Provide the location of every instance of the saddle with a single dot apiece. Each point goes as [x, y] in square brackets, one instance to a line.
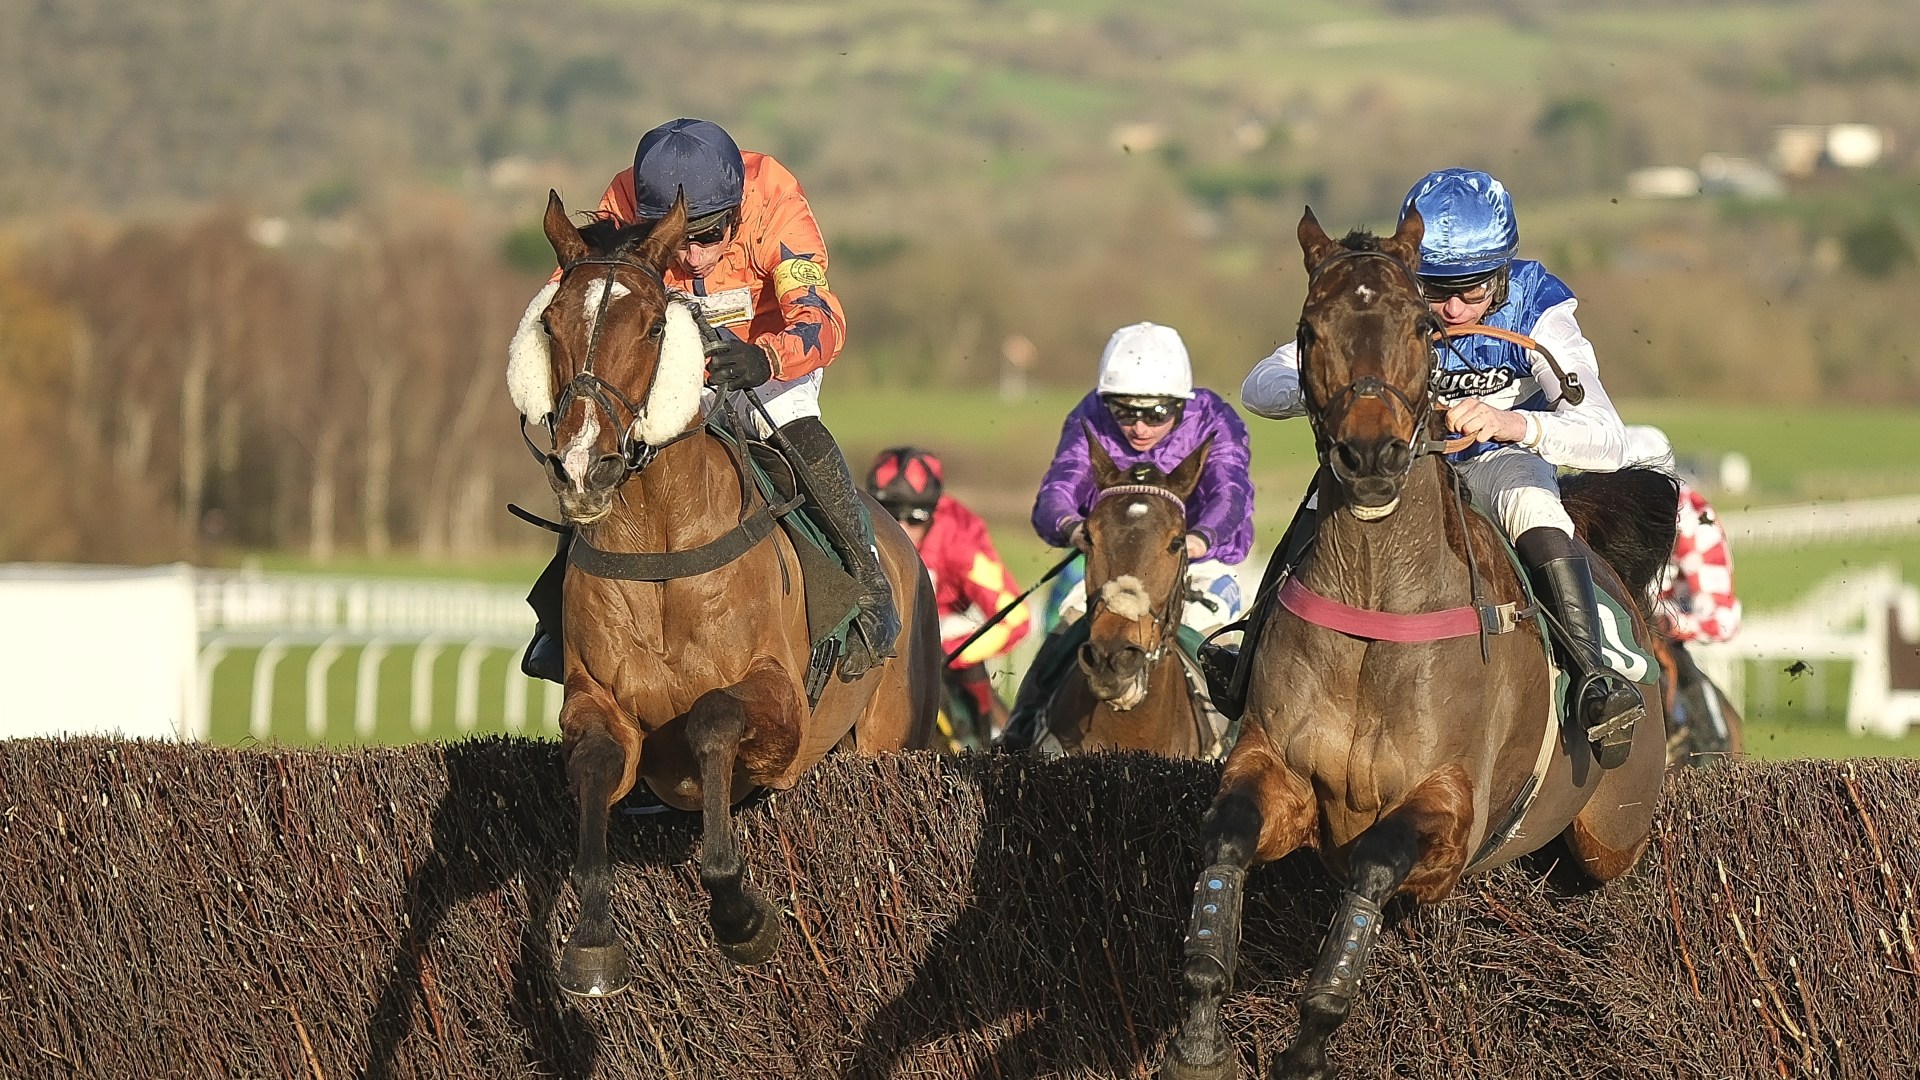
[832, 596]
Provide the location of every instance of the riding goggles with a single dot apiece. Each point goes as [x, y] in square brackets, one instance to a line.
[1475, 290]
[908, 515]
[1152, 413]
[710, 230]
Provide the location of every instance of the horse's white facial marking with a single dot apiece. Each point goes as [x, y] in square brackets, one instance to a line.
[579, 455]
[1137, 509]
[1365, 293]
[1126, 597]
[593, 296]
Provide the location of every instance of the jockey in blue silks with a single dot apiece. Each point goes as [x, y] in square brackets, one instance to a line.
[1508, 399]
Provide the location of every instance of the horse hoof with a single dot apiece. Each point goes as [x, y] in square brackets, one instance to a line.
[759, 944]
[594, 971]
[1173, 1068]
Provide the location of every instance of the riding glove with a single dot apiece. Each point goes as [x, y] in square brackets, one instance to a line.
[738, 365]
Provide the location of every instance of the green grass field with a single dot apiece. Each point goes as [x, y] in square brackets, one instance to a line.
[995, 452]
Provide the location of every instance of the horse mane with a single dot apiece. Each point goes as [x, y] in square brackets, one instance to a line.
[1628, 517]
[1360, 240]
[607, 236]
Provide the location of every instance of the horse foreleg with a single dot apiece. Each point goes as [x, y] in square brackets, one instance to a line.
[600, 770]
[1263, 811]
[745, 925]
[1420, 846]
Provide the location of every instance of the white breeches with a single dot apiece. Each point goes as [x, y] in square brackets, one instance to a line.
[1210, 577]
[1518, 489]
[785, 401]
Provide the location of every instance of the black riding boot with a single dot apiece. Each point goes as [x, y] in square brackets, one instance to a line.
[544, 658]
[830, 486]
[1694, 696]
[1607, 704]
[1036, 689]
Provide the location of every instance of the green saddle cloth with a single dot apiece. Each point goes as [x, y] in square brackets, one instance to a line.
[832, 595]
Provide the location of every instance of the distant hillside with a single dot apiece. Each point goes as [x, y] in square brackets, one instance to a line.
[319, 220]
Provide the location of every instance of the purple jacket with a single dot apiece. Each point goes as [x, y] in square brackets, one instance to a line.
[1220, 509]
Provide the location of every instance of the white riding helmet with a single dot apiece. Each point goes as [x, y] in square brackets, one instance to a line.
[1146, 360]
[1648, 446]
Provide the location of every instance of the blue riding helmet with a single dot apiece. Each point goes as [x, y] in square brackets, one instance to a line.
[692, 156]
[1470, 227]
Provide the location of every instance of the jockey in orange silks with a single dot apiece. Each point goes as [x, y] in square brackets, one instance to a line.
[755, 263]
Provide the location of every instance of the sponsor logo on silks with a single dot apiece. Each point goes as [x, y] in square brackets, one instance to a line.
[1450, 384]
[1227, 588]
[728, 308]
[793, 274]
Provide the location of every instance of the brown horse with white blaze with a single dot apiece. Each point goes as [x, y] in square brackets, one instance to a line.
[690, 679]
[1129, 689]
[1405, 761]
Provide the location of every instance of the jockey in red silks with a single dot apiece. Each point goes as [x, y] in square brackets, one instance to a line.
[1145, 409]
[970, 582]
[1508, 400]
[756, 265]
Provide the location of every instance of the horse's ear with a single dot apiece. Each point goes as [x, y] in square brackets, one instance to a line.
[1186, 475]
[1404, 244]
[567, 245]
[1105, 473]
[1314, 240]
[663, 243]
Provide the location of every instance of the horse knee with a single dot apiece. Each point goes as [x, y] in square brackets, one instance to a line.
[1232, 830]
[595, 766]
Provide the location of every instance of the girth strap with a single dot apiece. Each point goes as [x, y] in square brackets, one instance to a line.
[668, 565]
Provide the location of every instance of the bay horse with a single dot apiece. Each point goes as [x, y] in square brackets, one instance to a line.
[1128, 689]
[690, 679]
[1406, 763]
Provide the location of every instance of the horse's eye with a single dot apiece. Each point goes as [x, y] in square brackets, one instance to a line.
[1179, 544]
[1304, 335]
[657, 330]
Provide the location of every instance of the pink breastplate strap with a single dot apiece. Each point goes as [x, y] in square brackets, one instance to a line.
[1377, 625]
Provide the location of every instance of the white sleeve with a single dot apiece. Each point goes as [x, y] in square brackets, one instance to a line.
[1272, 388]
[1590, 435]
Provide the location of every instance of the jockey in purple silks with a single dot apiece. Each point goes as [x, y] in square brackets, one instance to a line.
[1145, 409]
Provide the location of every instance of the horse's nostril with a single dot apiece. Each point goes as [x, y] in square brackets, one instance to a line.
[607, 471]
[1396, 457]
[1351, 457]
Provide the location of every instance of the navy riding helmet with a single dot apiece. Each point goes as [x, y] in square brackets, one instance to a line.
[1470, 229]
[697, 157]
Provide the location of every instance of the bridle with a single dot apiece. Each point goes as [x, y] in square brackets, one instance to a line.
[1326, 416]
[634, 454]
[1167, 620]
